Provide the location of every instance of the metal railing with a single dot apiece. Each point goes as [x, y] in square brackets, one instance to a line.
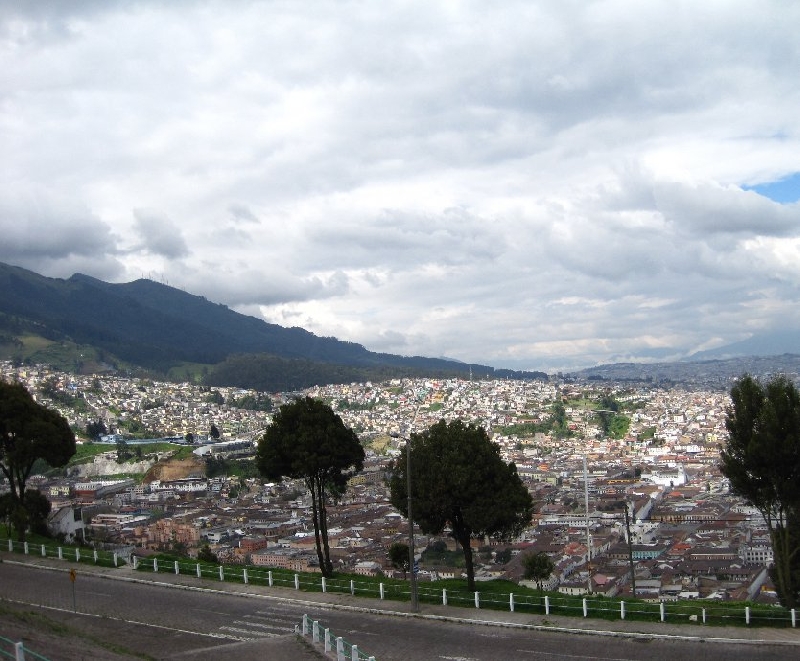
[331, 644]
[18, 651]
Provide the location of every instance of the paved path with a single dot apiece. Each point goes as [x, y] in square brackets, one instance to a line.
[290, 648]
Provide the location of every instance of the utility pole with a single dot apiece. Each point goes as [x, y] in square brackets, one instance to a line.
[588, 536]
[630, 550]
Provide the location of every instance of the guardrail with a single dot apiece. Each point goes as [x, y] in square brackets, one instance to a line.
[689, 612]
[18, 651]
[337, 645]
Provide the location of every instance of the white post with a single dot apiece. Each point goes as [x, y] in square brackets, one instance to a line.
[381, 589]
[60, 551]
[95, 556]
[663, 611]
[354, 653]
[352, 586]
[621, 610]
[747, 614]
[244, 575]
[25, 548]
[585, 608]
[511, 601]
[115, 559]
[339, 649]
[77, 555]
[296, 582]
[444, 596]
[704, 616]
[477, 599]
[327, 640]
[546, 605]
[221, 573]
[155, 564]
[794, 619]
[315, 631]
[44, 551]
[305, 625]
[19, 652]
[135, 562]
[324, 585]
[177, 569]
[10, 546]
[199, 571]
[269, 577]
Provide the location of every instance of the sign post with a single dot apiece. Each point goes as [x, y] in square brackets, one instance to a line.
[72, 576]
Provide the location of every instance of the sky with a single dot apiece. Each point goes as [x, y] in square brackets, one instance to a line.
[533, 185]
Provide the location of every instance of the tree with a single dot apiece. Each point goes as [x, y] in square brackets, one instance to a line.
[28, 432]
[538, 567]
[96, 429]
[213, 431]
[398, 556]
[206, 554]
[307, 440]
[460, 481]
[761, 459]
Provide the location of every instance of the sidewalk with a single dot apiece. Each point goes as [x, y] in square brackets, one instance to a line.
[317, 600]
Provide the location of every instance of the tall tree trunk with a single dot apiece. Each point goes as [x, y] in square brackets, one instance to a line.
[463, 536]
[323, 520]
[311, 484]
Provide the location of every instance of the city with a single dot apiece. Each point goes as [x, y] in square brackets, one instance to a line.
[689, 537]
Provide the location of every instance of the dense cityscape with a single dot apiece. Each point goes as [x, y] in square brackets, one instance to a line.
[651, 451]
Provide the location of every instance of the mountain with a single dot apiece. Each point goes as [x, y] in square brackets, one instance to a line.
[157, 327]
[766, 344]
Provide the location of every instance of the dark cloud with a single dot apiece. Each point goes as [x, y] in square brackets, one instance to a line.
[159, 235]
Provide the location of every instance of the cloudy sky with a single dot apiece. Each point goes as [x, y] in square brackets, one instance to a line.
[523, 184]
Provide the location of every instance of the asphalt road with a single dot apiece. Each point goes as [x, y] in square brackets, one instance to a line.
[116, 619]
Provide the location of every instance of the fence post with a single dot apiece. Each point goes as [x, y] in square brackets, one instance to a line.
[155, 564]
[296, 582]
[244, 575]
[305, 624]
[315, 631]
[77, 555]
[444, 596]
[269, 577]
[95, 556]
[794, 619]
[221, 573]
[704, 616]
[477, 599]
[25, 548]
[135, 562]
[621, 610]
[339, 649]
[381, 589]
[354, 653]
[327, 640]
[177, 569]
[546, 605]
[324, 585]
[115, 558]
[352, 586]
[44, 551]
[663, 611]
[19, 652]
[60, 551]
[585, 608]
[747, 614]
[511, 601]
[199, 571]
[10, 546]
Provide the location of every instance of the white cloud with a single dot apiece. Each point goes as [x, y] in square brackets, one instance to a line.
[533, 184]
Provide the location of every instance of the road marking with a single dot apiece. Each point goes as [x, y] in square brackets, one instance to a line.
[264, 626]
[257, 634]
[561, 655]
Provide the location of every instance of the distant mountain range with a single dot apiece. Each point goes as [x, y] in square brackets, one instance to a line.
[159, 328]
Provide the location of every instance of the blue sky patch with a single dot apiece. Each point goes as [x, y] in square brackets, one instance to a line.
[786, 191]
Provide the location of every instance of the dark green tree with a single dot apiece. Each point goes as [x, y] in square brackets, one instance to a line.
[28, 432]
[459, 480]
[37, 507]
[307, 440]
[761, 459]
[96, 429]
[206, 554]
[213, 432]
[537, 567]
[398, 556]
